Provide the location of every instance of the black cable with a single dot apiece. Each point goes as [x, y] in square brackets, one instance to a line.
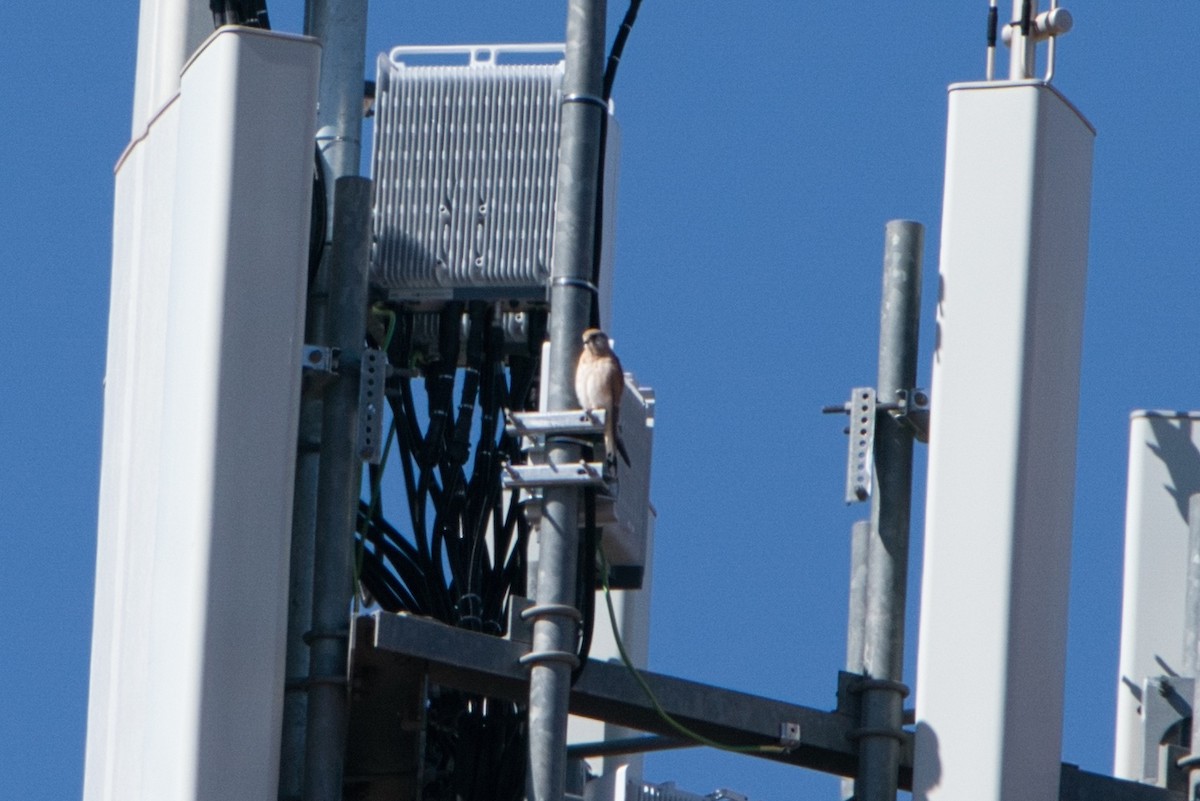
[318, 220]
[447, 568]
[993, 20]
[618, 47]
[586, 581]
[250, 13]
[610, 76]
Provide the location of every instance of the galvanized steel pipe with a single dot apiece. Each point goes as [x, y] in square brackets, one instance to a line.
[554, 635]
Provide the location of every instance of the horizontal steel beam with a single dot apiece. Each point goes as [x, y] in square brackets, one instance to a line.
[606, 691]
[1080, 785]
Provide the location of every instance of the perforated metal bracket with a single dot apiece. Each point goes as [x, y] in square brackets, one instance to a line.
[860, 463]
[910, 409]
[372, 379]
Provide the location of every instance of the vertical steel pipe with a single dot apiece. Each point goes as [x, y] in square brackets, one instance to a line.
[554, 630]
[887, 551]
[337, 496]
[341, 26]
[860, 537]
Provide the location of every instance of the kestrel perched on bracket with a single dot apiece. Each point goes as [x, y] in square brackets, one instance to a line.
[599, 383]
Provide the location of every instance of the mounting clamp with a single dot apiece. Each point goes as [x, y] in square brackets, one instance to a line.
[577, 474]
[910, 409]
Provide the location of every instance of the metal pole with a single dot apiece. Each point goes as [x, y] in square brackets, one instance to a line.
[555, 619]
[887, 557]
[337, 496]
[341, 26]
[860, 536]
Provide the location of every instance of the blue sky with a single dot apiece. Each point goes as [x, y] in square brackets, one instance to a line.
[765, 144]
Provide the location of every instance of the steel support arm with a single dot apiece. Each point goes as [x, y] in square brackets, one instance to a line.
[481, 663]
[606, 691]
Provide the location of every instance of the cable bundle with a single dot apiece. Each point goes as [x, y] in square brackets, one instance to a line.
[466, 554]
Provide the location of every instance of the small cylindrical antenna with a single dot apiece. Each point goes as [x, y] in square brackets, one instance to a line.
[1053, 24]
[993, 20]
[1022, 49]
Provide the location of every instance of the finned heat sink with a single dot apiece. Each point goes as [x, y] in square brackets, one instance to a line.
[465, 162]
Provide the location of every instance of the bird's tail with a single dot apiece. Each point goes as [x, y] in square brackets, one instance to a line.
[620, 443]
[613, 444]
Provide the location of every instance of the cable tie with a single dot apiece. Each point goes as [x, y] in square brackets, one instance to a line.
[537, 657]
[546, 610]
[576, 282]
[590, 100]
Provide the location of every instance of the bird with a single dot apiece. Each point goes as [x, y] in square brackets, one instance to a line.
[599, 383]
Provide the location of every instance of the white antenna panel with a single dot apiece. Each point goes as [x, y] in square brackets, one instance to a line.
[465, 166]
[1164, 472]
[1002, 444]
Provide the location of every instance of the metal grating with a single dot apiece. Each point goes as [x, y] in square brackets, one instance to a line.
[465, 161]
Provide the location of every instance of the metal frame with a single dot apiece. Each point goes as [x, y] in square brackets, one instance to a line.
[404, 650]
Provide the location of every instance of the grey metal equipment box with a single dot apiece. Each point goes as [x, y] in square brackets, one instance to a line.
[465, 162]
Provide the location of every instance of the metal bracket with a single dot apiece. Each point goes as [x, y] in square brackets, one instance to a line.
[860, 463]
[372, 379]
[789, 735]
[578, 474]
[912, 410]
[541, 424]
[1166, 704]
[319, 359]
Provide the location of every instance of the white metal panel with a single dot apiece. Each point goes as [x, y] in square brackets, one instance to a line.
[1164, 471]
[137, 327]
[1002, 445]
[210, 245]
[169, 31]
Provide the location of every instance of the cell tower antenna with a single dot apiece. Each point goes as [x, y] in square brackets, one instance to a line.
[1027, 28]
